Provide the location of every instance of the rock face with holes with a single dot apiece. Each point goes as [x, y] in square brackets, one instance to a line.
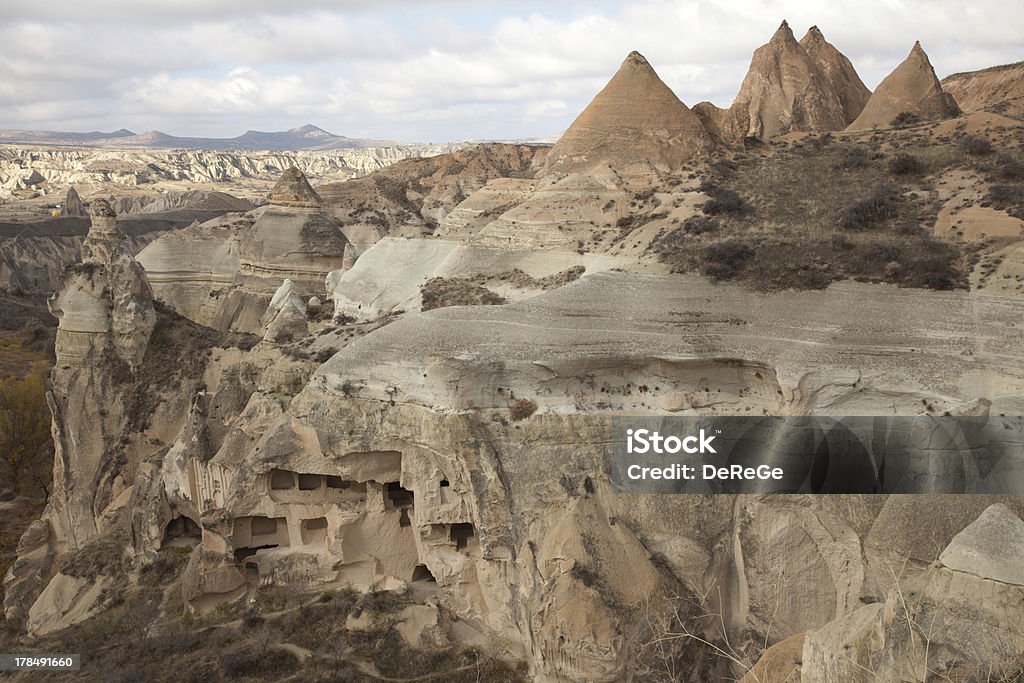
[912, 91]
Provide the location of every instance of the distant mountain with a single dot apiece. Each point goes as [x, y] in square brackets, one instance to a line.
[56, 137]
[308, 137]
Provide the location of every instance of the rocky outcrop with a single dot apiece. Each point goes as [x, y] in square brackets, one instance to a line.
[785, 90]
[104, 300]
[998, 89]
[285, 319]
[928, 625]
[195, 200]
[191, 270]
[635, 123]
[105, 314]
[294, 190]
[291, 238]
[412, 197]
[84, 167]
[73, 205]
[911, 90]
[839, 72]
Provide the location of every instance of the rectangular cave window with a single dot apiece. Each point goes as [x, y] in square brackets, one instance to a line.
[261, 526]
[396, 496]
[314, 530]
[335, 482]
[461, 533]
[444, 483]
[310, 482]
[281, 480]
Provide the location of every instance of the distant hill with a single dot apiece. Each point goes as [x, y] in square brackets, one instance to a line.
[997, 88]
[308, 137]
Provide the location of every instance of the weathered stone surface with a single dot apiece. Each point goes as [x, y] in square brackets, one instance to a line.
[998, 89]
[911, 88]
[294, 190]
[784, 90]
[285, 319]
[636, 122]
[929, 623]
[991, 547]
[192, 269]
[839, 71]
[73, 205]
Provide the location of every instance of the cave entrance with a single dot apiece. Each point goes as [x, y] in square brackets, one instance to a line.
[242, 553]
[397, 497]
[460, 534]
[421, 573]
[281, 480]
[181, 532]
[310, 482]
[314, 530]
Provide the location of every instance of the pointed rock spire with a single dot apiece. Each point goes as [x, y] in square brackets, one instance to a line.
[293, 189]
[635, 120]
[783, 91]
[73, 205]
[839, 72]
[911, 88]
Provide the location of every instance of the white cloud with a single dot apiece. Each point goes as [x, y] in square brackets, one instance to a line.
[419, 70]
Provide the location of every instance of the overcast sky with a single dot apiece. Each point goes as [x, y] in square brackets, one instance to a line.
[429, 70]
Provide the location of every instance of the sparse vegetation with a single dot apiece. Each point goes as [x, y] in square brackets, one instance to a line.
[699, 225]
[723, 260]
[871, 211]
[976, 145]
[905, 165]
[522, 409]
[441, 292]
[817, 213]
[723, 201]
[905, 119]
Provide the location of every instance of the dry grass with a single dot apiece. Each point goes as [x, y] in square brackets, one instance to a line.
[807, 213]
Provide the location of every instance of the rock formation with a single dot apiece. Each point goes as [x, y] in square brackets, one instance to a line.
[291, 238]
[106, 317]
[73, 205]
[928, 625]
[104, 300]
[785, 90]
[912, 89]
[285, 319]
[839, 71]
[635, 123]
[999, 89]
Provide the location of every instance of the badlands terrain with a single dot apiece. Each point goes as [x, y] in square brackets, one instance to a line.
[354, 423]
